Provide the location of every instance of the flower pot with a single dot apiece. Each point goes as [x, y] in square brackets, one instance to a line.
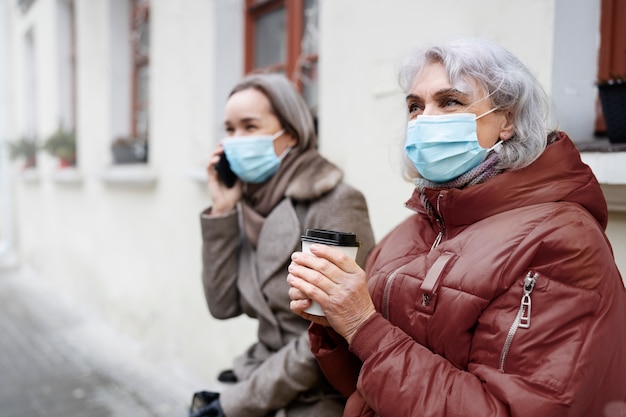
[130, 153]
[613, 99]
[30, 162]
[67, 162]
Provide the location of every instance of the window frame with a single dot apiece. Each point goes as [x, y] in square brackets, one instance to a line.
[69, 120]
[139, 14]
[294, 10]
[611, 57]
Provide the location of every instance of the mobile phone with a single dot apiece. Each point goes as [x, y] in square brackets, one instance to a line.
[227, 176]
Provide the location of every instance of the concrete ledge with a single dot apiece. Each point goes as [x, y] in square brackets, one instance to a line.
[608, 162]
[8, 257]
[132, 175]
[197, 174]
[609, 167]
[30, 175]
[615, 195]
[601, 145]
[67, 176]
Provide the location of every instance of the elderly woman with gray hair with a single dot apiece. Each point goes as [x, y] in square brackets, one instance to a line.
[277, 187]
[500, 295]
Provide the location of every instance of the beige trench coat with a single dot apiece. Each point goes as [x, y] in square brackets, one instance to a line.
[278, 373]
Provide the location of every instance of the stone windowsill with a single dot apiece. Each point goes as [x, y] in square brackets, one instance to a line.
[131, 175]
[30, 175]
[600, 145]
[69, 176]
[197, 174]
[608, 162]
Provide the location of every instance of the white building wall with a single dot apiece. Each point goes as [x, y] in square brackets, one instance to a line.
[130, 252]
[363, 116]
[575, 68]
[6, 194]
[130, 249]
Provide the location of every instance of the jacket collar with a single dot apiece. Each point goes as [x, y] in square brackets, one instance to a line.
[557, 175]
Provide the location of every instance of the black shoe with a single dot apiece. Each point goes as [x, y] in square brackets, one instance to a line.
[200, 401]
[227, 376]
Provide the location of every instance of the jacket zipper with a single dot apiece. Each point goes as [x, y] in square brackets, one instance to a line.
[522, 320]
[388, 283]
[441, 224]
[437, 240]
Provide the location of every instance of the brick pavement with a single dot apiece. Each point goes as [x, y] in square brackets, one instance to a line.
[57, 363]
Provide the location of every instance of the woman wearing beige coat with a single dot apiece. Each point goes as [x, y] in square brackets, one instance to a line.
[249, 233]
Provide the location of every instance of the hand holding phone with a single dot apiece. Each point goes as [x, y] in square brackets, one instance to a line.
[227, 176]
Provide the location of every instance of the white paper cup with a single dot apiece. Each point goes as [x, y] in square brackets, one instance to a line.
[346, 242]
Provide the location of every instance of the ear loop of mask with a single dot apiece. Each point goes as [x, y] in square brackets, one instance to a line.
[487, 112]
[498, 145]
[484, 98]
[277, 134]
[287, 149]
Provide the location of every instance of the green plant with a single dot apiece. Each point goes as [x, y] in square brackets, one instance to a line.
[62, 144]
[25, 148]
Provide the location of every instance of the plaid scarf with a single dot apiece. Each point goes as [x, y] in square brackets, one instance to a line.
[481, 173]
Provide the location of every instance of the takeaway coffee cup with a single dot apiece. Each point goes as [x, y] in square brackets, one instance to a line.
[347, 242]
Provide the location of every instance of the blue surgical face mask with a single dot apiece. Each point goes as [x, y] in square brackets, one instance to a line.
[443, 147]
[252, 158]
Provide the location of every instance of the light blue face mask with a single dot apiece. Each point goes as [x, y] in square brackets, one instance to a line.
[252, 158]
[443, 147]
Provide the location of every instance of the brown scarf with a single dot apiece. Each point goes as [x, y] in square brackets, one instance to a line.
[260, 199]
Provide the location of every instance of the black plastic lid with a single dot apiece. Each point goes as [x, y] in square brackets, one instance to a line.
[331, 237]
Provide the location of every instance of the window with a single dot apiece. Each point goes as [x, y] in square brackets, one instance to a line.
[62, 143]
[67, 64]
[30, 85]
[140, 47]
[130, 144]
[25, 5]
[281, 36]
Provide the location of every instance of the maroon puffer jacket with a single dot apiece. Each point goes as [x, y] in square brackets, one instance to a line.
[451, 337]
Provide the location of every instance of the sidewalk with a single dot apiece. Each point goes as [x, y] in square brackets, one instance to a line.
[56, 361]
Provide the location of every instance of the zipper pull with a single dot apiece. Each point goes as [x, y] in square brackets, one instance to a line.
[440, 222]
[437, 240]
[525, 305]
[523, 316]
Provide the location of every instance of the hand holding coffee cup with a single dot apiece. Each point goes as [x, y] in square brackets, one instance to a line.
[346, 242]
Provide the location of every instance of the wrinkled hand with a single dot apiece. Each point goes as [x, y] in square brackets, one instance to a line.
[336, 282]
[224, 199]
[300, 302]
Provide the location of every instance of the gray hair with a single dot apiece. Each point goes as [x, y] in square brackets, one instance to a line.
[509, 85]
[287, 105]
